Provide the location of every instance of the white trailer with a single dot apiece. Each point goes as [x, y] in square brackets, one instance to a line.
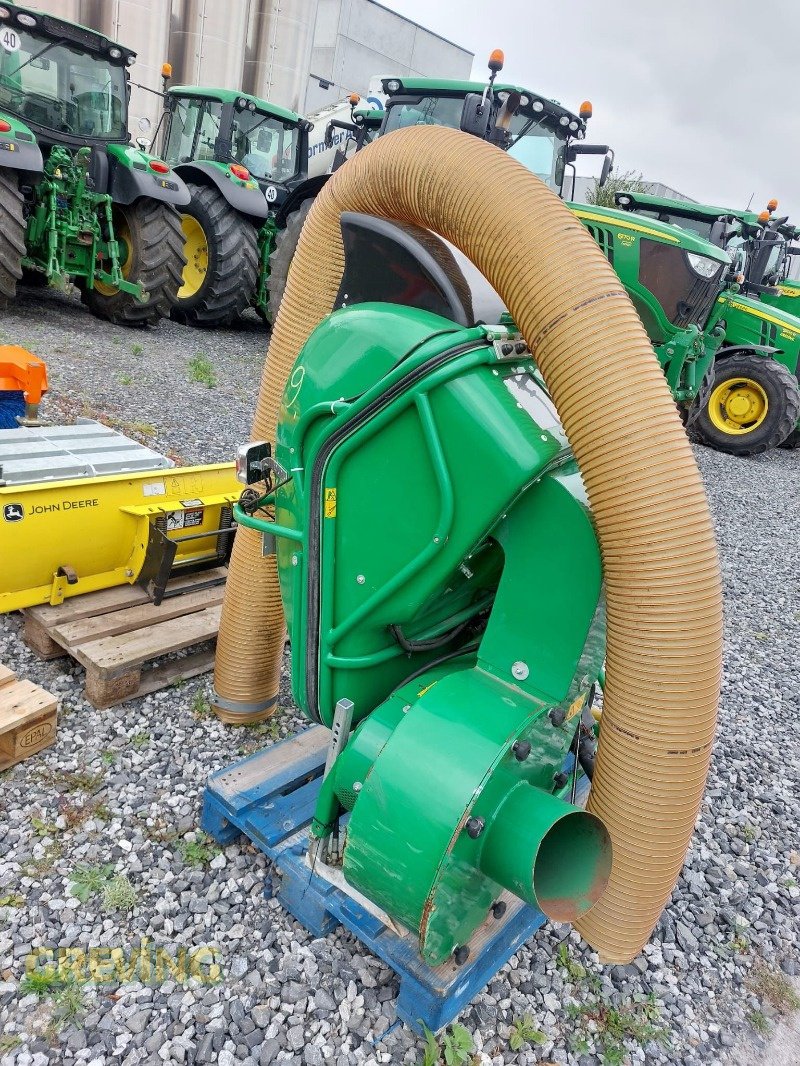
[320, 156]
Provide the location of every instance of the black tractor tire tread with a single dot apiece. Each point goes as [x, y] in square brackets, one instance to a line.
[283, 253]
[784, 406]
[12, 235]
[792, 441]
[161, 269]
[232, 276]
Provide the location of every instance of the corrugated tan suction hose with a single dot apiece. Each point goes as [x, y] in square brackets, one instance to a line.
[660, 559]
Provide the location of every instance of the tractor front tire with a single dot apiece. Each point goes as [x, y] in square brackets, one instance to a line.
[221, 251]
[752, 407]
[282, 255]
[151, 245]
[12, 235]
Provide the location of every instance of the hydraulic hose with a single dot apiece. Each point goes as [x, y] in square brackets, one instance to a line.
[659, 555]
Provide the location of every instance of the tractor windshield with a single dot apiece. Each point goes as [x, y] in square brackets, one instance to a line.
[61, 87]
[533, 144]
[423, 111]
[266, 145]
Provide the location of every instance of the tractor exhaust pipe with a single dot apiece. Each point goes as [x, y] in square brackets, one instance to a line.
[660, 562]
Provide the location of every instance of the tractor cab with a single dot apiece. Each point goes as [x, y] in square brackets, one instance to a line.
[67, 83]
[540, 133]
[249, 141]
[757, 242]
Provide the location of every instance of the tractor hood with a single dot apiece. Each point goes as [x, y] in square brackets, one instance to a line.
[788, 325]
[650, 227]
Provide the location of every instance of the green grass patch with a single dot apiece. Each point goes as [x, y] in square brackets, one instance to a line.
[119, 895]
[201, 370]
[774, 987]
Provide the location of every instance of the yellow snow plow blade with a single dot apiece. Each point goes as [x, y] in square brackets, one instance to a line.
[63, 538]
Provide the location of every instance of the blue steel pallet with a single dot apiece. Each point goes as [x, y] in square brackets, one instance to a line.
[270, 797]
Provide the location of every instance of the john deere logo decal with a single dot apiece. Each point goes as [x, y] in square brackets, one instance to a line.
[13, 512]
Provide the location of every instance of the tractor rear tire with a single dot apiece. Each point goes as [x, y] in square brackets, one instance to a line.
[282, 255]
[793, 440]
[752, 407]
[12, 235]
[151, 231]
[221, 250]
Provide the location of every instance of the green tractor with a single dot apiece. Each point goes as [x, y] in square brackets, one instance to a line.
[245, 162]
[77, 200]
[752, 385]
[681, 281]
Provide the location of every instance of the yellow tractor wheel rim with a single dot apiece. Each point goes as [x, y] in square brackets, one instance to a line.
[195, 248]
[738, 405]
[122, 233]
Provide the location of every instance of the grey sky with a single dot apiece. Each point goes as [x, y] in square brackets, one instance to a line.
[695, 93]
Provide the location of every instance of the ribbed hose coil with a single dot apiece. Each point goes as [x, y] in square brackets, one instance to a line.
[659, 555]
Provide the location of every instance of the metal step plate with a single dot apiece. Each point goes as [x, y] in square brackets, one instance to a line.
[59, 453]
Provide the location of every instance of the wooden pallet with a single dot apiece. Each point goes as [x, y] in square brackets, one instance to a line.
[116, 635]
[28, 718]
[270, 798]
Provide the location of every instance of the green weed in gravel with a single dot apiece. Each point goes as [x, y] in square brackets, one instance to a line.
[524, 1031]
[612, 1026]
[201, 708]
[757, 1020]
[119, 895]
[201, 370]
[87, 881]
[65, 993]
[198, 852]
[775, 988]
[457, 1047]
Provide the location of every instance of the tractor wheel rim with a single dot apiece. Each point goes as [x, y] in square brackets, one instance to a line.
[738, 405]
[195, 248]
[122, 233]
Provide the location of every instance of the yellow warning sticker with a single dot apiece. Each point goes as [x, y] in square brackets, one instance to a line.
[330, 503]
[575, 706]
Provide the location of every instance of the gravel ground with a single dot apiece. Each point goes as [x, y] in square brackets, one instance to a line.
[119, 796]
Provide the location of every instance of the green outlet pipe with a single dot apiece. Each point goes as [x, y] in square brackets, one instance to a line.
[552, 854]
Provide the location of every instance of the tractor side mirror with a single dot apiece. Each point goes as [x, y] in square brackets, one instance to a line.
[720, 233]
[475, 115]
[574, 150]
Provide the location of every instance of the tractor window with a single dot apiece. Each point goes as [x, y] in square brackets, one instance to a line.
[266, 145]
[62, 88]
[424, 111]
[536, 148]
[193, 131]
[701, 226]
